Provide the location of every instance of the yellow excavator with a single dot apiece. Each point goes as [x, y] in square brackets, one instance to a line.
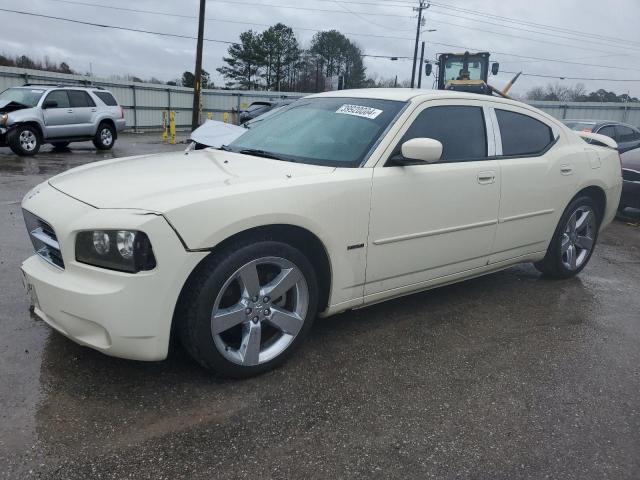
[468, 72]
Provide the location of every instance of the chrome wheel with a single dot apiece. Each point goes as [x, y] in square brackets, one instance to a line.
[577, 239]
[106, 136]
[28, 140]
[259, 311]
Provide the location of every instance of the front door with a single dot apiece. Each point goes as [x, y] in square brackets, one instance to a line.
[58, 119]
[429, 221]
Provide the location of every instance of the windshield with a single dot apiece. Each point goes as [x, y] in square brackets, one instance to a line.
[453, 68]
[25, 96]
[321, 131]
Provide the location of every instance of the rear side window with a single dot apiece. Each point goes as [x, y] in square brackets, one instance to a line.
[626, 134]
[608, 131]
[107, 98]
[60, 97]
[80, 98]
[460, 129]
[522, 134]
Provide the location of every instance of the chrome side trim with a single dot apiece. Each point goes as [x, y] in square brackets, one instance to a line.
[526, 215]
[431, 233]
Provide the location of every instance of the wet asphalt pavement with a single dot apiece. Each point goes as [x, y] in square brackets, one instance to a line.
[503, 377]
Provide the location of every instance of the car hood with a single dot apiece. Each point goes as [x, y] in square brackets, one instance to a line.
[215, 134]
[7, 106]
[161, 182]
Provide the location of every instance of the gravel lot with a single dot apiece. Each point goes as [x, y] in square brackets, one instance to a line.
[503, 377]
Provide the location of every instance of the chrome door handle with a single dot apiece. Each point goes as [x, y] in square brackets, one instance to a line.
[485, 178]
[94, 109]
[69, 111]
[566, 169]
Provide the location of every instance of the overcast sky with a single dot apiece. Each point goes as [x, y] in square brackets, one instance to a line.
[613, 26]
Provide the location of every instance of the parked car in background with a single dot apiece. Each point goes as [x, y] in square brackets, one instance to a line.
[628, 139]
[344, 200]
[32, 115]
[258, 108]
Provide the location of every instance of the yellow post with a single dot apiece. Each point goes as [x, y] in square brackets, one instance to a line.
[172, 127]
[165, 134]
[225, 117]
[210, 115]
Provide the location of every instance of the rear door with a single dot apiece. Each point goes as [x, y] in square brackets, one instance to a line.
[537, 172]
[84, 109]
[429, 221]
[58, 120]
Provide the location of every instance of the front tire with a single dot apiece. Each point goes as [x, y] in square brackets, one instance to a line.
[248, 307]
[105, 137]
[573, 241]
[24, 140]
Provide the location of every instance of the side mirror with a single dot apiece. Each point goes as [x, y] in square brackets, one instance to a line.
[425, 150]
[495, 67]
[50, 104]
[428, 68]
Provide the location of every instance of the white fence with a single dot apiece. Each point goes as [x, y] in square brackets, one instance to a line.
[144, 102]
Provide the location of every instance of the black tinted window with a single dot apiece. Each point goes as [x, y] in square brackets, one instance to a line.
[80, 98]
[609, 131]
[59, 96]
[107, 98]
[460, 129]
[626, 134]
[522, 134]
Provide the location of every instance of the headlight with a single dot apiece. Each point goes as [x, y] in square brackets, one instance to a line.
[122, 250]
[4, 119]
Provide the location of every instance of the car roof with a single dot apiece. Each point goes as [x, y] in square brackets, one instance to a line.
[598, 122]
[406, 94]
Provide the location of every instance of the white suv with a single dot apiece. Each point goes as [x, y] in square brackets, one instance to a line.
[35, 114]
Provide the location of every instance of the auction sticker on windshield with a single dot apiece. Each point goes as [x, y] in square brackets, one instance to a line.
[359, 111]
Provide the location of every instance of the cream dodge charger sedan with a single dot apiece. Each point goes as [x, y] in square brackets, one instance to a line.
[338, 201]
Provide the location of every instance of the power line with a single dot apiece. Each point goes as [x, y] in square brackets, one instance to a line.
[51, 17]
[560, 77]
[533, 24]
[115, 27]
[165, 34]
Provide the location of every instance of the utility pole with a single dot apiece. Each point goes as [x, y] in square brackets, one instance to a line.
[421, 7]
[420, 72]
[197, 85]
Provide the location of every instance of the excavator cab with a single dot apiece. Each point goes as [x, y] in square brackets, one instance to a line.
[465, 72]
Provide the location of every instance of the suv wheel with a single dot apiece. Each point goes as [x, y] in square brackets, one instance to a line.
[105, 137]
[573, 241]
[248, 307]
[24, 140]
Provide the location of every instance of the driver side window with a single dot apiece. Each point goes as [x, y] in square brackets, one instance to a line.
[460, 129]
[59, 96]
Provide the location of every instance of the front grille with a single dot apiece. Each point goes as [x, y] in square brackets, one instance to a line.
[630, 175]
[44, 239]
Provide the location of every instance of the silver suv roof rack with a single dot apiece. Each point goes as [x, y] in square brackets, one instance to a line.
[79, 84]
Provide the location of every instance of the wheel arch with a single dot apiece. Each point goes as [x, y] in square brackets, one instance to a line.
[298, 237]
[110, 122]
[31, 123]
[598, 195]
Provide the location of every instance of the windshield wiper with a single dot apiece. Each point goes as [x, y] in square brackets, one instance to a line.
[261, 153]
[225, 148]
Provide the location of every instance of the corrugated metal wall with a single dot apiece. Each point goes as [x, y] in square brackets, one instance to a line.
[144, 102]
[621, 112]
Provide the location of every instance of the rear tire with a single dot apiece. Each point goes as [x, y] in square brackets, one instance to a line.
[105, 137]
[24, 140]
[247, 307]
[573, 241]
